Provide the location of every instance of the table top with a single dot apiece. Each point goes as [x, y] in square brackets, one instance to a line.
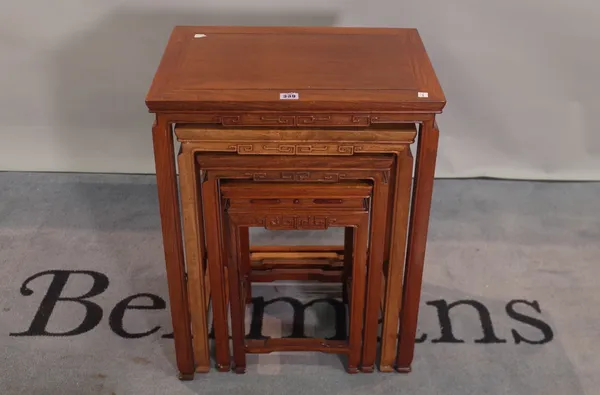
[295, 68]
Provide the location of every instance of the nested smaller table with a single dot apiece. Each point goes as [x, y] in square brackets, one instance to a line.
[300, 169]
[293, 206]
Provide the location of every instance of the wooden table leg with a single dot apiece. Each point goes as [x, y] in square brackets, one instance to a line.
[357, 295]
[245, 259]
[417, 239]
[397, 252]
[236, 299]
[386, 269]
[166, 180]
[374, 270]
[214, 249]
[193, 225]
[347, 271]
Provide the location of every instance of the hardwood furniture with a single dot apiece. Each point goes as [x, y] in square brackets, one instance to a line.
[291, 77]
[288, 168]
[293, 206]
[346, 163]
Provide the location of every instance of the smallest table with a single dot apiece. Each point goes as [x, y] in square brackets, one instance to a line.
[294, 77]
[291, 206]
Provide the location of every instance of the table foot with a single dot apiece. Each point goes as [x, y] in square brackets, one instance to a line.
[403, 369]
[186, 376]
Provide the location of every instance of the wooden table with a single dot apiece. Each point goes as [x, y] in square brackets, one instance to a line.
[309, 77]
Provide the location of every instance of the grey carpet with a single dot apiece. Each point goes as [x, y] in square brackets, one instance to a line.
[524, 253]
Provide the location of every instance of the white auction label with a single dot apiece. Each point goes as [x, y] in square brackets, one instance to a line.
[423, 94]
[289, 96]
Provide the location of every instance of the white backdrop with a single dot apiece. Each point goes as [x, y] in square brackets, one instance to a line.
[522, 78]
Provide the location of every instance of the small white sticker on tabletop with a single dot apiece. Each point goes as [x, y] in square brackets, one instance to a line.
[289, 96]
[199, 35]
[423, 94]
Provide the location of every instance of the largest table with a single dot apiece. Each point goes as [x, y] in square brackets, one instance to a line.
[294, 77]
